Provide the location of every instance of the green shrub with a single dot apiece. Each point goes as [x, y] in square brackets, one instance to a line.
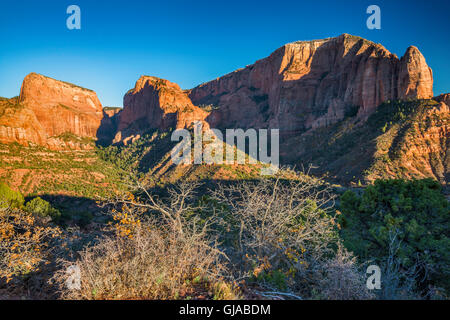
[10, 198]
[274, 278]
[42, 208]
[412, 214]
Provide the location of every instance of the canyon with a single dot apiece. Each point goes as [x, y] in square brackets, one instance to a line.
[302, 88]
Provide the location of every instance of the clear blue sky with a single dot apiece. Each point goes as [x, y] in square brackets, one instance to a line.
[190, 42]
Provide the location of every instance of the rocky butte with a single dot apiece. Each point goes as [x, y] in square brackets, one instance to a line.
[155, 103]
[50, 113]
[302, 85]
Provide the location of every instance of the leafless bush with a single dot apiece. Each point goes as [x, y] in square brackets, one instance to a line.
[159, 250]
[149, 265]
[279, 226]
[343, 280]
[398, 283]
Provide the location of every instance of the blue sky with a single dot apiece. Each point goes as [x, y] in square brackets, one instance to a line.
[190, 42]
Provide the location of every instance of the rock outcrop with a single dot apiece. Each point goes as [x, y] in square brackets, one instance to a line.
[415, 78]
[155, 103]
[445, 98]
[50, 113]
[311, 84]
[19, 124]
[61, 107]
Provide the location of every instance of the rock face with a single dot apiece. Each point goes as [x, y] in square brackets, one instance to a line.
[311, 84]
[155, 103]
[50, 113]
[61, 107]
[19, 124]
[445, 98]
[415, 78]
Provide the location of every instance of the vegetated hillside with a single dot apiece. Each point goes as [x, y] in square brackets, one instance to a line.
[40, 171]
[401, 139]
[150, 157]
[268, 239]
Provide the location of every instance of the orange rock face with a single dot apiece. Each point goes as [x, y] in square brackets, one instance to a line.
[415, 78]
[310, 84]
[48, 109]
[19, 124]
[156, 103]
[61, 107]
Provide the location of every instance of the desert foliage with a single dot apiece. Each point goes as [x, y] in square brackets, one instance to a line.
[271, 238]
[268, 238]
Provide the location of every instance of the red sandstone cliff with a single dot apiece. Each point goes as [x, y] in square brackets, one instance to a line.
[19, 124]
[310, 84]
[48, 111]
[155, 103]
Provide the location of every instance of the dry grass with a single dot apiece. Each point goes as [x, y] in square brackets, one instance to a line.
[149, 265]
[167, 255]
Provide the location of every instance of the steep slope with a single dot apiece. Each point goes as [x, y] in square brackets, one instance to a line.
[50, 113]
[401, 139]
[311, 84]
